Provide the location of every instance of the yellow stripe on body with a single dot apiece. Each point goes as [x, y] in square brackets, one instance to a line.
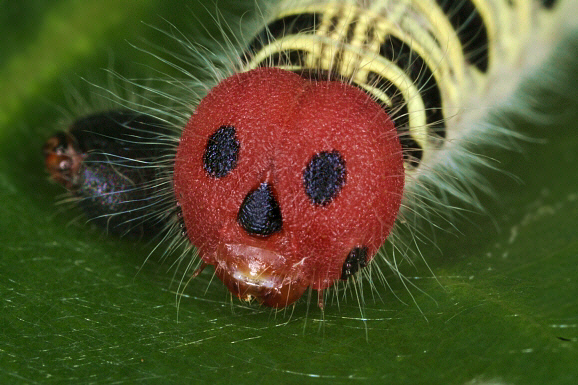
[348, 37]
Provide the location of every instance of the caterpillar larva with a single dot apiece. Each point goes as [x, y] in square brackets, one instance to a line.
[291, 170]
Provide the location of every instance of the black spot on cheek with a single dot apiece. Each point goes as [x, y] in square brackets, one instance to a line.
[222, 152]
[259, 213]
[356, 259]
[324, 177]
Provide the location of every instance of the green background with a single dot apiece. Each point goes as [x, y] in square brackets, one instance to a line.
[81, 307]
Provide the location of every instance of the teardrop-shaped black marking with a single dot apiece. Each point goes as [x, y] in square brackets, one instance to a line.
[356, 259]
[222, 152]
[324, 177]
[259, 213]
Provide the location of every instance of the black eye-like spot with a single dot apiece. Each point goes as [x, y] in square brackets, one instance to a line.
[260, 213]
[222, 152]
[356, 259]
[324, 177]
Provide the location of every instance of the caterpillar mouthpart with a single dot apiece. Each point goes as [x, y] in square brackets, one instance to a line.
[256, 273]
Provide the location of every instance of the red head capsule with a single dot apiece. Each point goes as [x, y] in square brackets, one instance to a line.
[287, 183]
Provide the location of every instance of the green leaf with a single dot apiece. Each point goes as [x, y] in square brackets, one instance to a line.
[78, 306]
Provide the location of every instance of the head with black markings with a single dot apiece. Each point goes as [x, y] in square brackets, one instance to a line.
[287, 183]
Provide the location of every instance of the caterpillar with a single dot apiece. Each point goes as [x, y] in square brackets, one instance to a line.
[323, 130]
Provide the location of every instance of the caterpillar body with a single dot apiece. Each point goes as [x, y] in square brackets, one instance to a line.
[290, 172]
